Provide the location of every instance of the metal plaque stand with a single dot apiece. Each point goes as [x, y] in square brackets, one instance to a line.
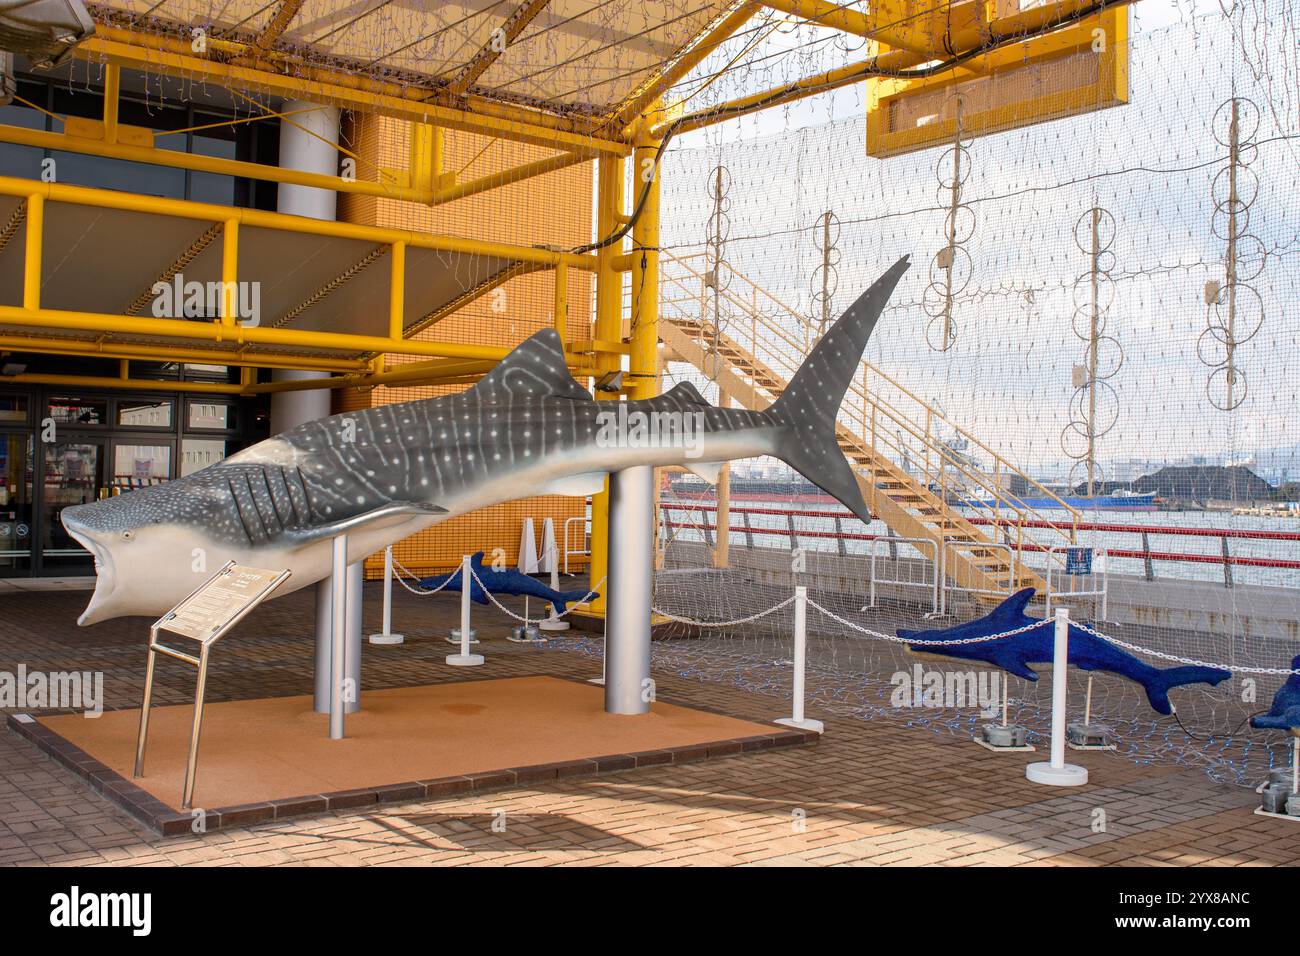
[206, 615]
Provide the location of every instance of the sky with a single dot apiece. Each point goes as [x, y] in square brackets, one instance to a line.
[1151, 165]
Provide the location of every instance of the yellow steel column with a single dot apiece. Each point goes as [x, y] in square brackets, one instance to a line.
[642, 366]
[396, 298]
[112, 87]
[608, 328]
[561, 316]
[230, 272]
[32, 254]
[397, 291]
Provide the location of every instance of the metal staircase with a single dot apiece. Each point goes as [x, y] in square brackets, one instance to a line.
[911, 477]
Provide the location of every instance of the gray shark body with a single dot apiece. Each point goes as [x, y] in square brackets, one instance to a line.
[379, 475]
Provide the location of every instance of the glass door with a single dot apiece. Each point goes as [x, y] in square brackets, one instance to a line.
[74, 475]
[15, 504]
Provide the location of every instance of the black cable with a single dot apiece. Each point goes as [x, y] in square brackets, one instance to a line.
[1231, 733]
[867, 72]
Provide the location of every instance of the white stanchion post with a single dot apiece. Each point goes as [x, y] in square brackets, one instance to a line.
[1058, 773]
[387, 637]
[338, 637]
[797, 719]
[553, 622]
[464, 658]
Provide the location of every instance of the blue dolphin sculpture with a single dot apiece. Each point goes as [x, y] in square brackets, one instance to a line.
[1087, 652]
[504, 582]
[1285, 712]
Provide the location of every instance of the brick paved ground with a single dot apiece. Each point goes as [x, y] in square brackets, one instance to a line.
[870, 793]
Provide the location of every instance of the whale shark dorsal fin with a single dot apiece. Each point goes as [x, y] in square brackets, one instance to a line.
[536, 367]
[686, 392]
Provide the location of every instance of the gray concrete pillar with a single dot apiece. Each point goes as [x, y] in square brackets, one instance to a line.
[299, 149]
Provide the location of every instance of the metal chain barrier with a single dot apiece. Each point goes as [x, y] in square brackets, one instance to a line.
[404, 571]
[740, 620]
[1235, 668]
[895, 639]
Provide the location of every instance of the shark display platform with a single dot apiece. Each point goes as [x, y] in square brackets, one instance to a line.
[271, 758]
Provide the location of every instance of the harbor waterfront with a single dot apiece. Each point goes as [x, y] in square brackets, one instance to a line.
[1183, 545]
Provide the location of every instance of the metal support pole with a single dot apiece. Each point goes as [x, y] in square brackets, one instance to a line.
[797, 718]
[354, 582]
[1058, 773]
[338, 634]
[465, 658]
[628, 689]
[144, 707]
[191, 763]
[387, 636]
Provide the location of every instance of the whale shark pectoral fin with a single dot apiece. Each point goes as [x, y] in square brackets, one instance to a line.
[576, 486]
[386, 516]
[710, 471]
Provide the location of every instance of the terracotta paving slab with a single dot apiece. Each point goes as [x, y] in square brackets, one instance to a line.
[870, 793]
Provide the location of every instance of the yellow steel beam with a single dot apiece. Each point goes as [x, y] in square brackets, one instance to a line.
[260, 218]
[284, 15]
[239, 334]
[688, 61]
[1017, 28]
[500, 38]
[285, 77]
[110, 381]
[918, 27]
[507, 176]
[823, 13]
[97, 348]
[153, 155]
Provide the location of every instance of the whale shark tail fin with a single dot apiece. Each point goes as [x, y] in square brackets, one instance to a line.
[1160, 684]
[811, 402]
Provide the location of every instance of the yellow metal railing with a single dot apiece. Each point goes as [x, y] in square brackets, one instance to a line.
[772, 337]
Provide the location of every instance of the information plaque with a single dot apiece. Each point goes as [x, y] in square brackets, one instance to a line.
[210, 611]
[224, 598]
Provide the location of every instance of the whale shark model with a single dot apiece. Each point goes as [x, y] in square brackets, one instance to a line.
[504, 582]
[381, 474]
[1088, 652]
[1285, 712]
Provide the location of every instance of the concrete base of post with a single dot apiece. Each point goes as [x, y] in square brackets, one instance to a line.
[806, 724]
[1066, 775]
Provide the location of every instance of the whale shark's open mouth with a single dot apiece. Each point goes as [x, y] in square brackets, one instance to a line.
[105, 579]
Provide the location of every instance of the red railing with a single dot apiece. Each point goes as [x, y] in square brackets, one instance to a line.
[1225, 559]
